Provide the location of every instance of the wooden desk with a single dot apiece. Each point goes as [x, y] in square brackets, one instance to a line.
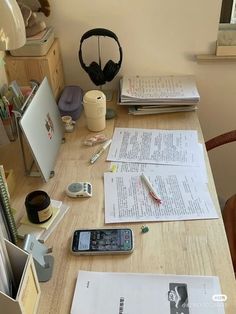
[185, 247]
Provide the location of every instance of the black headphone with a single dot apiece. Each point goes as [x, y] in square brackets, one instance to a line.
[96, 74]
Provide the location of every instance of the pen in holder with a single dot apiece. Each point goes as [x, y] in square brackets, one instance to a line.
[8, 118]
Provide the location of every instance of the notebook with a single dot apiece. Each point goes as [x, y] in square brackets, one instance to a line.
[7, 218]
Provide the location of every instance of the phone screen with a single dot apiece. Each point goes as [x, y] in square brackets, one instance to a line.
[102, 241]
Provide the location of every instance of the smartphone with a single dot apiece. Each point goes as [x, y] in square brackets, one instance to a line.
[102, 241]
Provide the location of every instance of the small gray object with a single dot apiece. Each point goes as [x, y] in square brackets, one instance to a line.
[110, 114]
[42, 260]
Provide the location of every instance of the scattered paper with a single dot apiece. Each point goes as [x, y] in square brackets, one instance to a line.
[199, 171]
[184, 197]
[173, 147]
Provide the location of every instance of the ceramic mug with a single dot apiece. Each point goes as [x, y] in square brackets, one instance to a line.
[95, 110]
[68, 123]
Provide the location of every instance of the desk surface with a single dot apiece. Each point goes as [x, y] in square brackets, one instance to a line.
[180, 247]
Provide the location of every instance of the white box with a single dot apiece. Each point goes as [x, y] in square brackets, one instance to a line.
[36, 48]
[28, 293]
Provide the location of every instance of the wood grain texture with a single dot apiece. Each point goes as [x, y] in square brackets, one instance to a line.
[24, 69]
[185, 247]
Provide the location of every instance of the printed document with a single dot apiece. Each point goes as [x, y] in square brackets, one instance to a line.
[159, 88]
[184, 196]
[173, 147]
[139, 293]
[141, 167]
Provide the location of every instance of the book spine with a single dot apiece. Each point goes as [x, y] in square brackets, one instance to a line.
[4, 229]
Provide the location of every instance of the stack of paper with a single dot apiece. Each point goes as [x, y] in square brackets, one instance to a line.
[158, 94]
[141, 110]
[40, 37]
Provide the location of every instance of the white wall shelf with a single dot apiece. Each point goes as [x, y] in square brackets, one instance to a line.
[214, 58]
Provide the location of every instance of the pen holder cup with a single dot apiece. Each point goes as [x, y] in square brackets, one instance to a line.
[95, 110]
[28, 289]
[10, 128]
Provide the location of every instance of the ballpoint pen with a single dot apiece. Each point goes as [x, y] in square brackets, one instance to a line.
[99, 152]
[152, 192]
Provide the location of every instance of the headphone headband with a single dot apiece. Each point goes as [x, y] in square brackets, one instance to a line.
[98, 32]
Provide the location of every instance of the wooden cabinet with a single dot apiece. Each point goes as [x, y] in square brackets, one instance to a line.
[24, 69]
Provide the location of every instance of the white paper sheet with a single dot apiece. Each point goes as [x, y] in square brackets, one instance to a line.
[141, 167]
[127, 293]
[184, 197]
[174, 147]
[159, 88]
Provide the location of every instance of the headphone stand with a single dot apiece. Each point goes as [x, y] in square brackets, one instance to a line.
[108, 93]
[110, 113]
[98, 75]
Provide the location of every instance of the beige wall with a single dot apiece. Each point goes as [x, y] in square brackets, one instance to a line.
[158, 37]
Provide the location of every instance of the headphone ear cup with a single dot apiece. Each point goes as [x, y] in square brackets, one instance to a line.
[110, 70]
[96, 74]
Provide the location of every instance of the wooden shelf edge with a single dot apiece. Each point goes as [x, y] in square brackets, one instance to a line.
[213, 58]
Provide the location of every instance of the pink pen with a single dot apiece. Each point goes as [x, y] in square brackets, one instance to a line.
[152, 192]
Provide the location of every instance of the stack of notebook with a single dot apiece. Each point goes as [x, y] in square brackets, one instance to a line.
[158, 94]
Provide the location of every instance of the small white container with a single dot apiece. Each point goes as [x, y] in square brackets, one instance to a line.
[94, 102]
